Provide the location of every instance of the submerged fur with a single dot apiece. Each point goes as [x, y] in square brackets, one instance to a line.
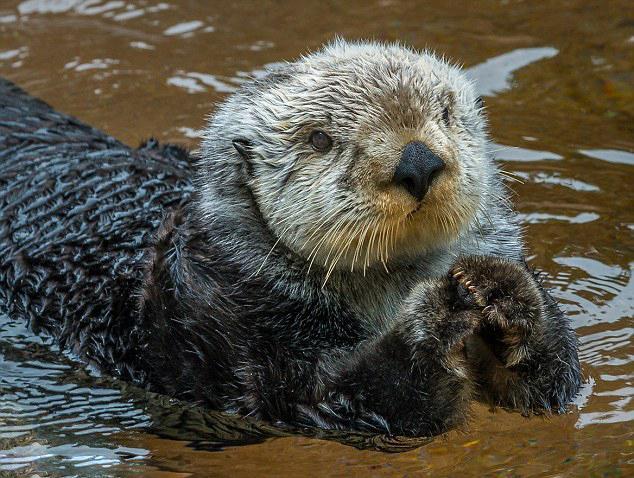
[286, 283]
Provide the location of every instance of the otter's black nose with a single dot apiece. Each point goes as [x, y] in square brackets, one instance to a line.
[417, 168]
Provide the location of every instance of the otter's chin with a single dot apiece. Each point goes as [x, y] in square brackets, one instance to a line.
[386, 242]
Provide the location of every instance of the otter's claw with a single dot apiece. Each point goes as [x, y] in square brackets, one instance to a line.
[463, 279]
[457, 273]
[509, 299]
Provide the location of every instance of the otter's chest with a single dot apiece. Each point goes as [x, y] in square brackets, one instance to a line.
[378, 301]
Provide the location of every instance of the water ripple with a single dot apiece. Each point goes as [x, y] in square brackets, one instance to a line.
[42, 393]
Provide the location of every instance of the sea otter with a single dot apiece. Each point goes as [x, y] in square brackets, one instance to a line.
[341, 252]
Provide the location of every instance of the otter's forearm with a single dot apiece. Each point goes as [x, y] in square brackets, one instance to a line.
[547, 374]
[412, 380]
[390, 387]
[525, 354]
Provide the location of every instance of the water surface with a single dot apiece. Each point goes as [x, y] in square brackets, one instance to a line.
[558, 80]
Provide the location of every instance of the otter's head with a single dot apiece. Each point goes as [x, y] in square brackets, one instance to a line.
[355, 155]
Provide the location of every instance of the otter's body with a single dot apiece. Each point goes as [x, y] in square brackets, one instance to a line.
[242, 282]
[77, 210]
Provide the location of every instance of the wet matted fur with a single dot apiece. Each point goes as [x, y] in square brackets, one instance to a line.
[267, 278]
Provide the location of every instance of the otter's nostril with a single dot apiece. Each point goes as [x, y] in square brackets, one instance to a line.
[410, 185]
[433, 176]
[417, 168]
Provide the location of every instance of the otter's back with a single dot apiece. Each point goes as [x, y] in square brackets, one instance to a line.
[77, 207]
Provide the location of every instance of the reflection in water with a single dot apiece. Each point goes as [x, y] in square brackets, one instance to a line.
[600, 293]
[94, 64]
[537, 217]
[52, 411]
[515, 153]
[44, 397]
[141, 45]
[183, 28]
[9, 54]
[195, 82]
[556, 179]
[494, 75]
[118, 10]
[610, 155]
[73, 457]
[141, 68]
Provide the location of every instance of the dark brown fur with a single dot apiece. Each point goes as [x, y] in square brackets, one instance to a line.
[176, 308]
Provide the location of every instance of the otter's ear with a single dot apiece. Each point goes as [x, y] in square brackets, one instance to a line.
[243, 146]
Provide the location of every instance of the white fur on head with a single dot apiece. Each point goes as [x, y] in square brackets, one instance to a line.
[340, 208]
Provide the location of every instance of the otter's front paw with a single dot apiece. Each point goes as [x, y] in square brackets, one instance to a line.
[510, 301]
[438, 329]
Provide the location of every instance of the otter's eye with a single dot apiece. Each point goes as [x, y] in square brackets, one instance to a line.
[320, 141]
[445, 116]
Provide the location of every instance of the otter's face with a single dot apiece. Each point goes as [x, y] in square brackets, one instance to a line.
[361, 153]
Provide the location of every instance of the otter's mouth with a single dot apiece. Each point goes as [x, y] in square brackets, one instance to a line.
[428, 200]
[411, 214]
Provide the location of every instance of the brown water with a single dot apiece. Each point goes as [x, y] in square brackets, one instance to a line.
[558, 77]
